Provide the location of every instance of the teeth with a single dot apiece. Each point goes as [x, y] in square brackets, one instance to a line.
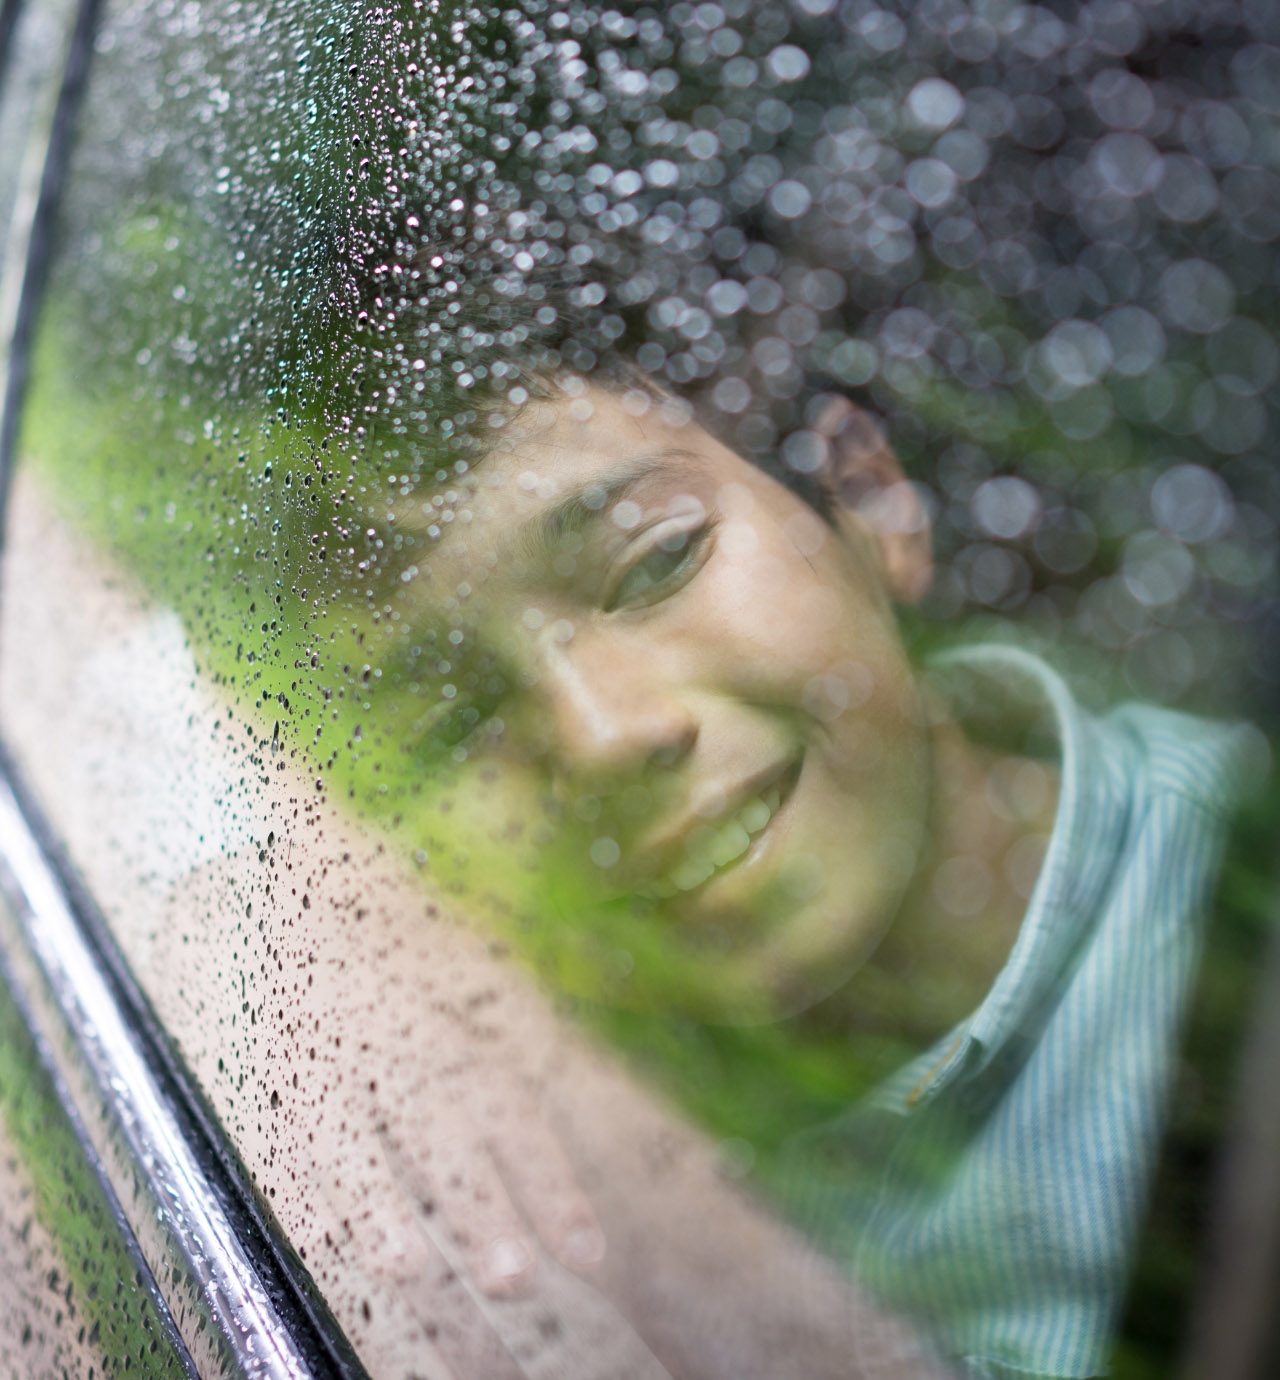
[730, 842]
[692, 872]
[759, 810]
[754, 815]
[711, 849]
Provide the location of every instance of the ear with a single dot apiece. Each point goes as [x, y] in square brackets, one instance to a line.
[869, 493]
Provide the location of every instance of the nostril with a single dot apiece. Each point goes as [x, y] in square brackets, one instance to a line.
[668, 754]
[609, 719]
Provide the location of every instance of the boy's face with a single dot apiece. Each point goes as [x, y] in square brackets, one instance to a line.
[700, 682]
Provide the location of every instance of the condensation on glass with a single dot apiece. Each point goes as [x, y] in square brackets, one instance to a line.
[471, 460]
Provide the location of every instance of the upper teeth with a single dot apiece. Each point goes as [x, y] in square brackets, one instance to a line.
[711, 847]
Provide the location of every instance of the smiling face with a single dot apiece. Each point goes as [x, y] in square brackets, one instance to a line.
[700, 683]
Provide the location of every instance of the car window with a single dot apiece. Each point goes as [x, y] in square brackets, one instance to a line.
[76, 1294]
[646, 626]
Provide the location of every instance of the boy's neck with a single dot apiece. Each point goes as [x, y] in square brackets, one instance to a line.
[993, 812]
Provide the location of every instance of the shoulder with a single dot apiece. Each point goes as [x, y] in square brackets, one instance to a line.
[1135, 745]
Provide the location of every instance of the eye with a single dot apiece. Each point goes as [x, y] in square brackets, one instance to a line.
[662, 569]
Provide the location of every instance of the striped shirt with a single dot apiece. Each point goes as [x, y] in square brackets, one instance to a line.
[994, 1187]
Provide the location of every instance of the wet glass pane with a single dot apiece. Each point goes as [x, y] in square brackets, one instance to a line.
[647, 624]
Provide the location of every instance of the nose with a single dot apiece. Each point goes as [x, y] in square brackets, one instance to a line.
[611, 717]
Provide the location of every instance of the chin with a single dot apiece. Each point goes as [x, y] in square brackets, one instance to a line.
[819, 953]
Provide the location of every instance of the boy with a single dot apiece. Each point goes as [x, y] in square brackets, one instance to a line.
[753, 810]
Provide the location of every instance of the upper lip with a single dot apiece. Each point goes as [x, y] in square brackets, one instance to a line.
[664, 849]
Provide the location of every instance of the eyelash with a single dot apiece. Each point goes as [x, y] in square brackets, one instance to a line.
[688, 559]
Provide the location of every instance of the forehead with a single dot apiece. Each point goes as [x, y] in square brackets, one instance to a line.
[554, 448]
[562, 462]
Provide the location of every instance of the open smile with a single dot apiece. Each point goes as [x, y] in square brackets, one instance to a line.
[713, 850]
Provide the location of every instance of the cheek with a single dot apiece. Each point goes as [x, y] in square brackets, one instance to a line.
[751, 609]
[484, 830]
[498, 839]
[766, 624]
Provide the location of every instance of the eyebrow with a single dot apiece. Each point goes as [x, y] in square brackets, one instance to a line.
[541, 534]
